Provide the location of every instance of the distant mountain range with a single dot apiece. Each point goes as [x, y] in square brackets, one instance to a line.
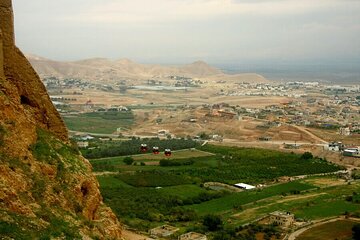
[106, 70]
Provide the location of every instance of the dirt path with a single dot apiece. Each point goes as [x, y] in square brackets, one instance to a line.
[251, 211]
[298, 232]
[104, 173]
[302, 129]
[128, 235]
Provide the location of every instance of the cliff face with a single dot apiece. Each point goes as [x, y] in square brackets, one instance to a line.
[46, 186]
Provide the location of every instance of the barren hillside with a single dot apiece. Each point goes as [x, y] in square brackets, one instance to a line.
[100, 69]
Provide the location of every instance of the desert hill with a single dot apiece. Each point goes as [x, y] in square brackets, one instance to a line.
[47, 190]
[102, 69]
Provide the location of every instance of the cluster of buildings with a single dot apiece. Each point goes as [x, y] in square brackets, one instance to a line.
[265, 89]
[282, 219]
[340, 112]
[182, 81]
[349, 151]
[53, 83]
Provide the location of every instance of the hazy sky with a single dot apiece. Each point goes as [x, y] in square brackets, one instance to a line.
[179, 31]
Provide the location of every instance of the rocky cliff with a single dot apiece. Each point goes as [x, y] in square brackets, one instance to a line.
[46, 187]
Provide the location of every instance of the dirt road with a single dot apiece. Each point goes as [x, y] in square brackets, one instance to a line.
[298, 232]
[128, 235]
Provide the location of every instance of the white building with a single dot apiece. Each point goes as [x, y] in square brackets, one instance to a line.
[244, 186]
[83, 144]
[352, 152]
[334, 146]
[344, 131]
[163, 231]
[192, 236]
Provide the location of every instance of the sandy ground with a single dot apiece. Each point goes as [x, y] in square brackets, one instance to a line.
[128, 235]
[196, 96]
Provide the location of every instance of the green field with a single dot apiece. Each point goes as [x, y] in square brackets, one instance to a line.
[311, 204]
[99, 122]
[228, 165]
[108, 149]
[227, 203]
[340, 230]
[115, 164]
[147, 196]
[180, 154]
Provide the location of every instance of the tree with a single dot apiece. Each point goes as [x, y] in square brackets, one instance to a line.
[128, 160]
[204, 136]
[212, 222]
[221, 236]
[356, 232]
[307, 155]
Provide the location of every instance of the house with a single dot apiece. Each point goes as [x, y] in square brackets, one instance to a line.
[163, 231]
[86, 138]
[264, 138]
[351, 152]
[344, 131]
[83, 144]
[282, 219]
[335, 146]
[106, 139]
[291, 146]
[163, 133]
[244, 186]
[192, 236]
[226, 114]
[217, 137]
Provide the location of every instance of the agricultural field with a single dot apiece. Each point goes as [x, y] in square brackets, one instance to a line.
[180, 154]
[107, 149]
[146, 196]
[340, 230]
[99, 122]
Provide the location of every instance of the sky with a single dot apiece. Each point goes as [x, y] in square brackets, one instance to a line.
[183, 31]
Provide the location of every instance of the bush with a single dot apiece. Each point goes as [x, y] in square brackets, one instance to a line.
[356, 232]
[153, 179]
[307, 155]
[128, 160]
[2, 135]
[212, 222]
[168, 163]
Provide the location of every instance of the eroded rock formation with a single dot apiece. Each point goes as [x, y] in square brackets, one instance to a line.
[46, 186]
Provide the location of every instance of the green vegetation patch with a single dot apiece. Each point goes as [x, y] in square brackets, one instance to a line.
[143, 208]
[99, 122]
[229, 202]
[2, 135]
[131, 147]
[148, 196]
[153, 179]
[176, 155]
[22, 227]
[50, 150]
[322, 208]
[183, 191]
[341, 230]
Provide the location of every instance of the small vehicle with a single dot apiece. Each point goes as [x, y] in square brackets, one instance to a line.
[143, 148]
[156, 150]
[167, 152]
